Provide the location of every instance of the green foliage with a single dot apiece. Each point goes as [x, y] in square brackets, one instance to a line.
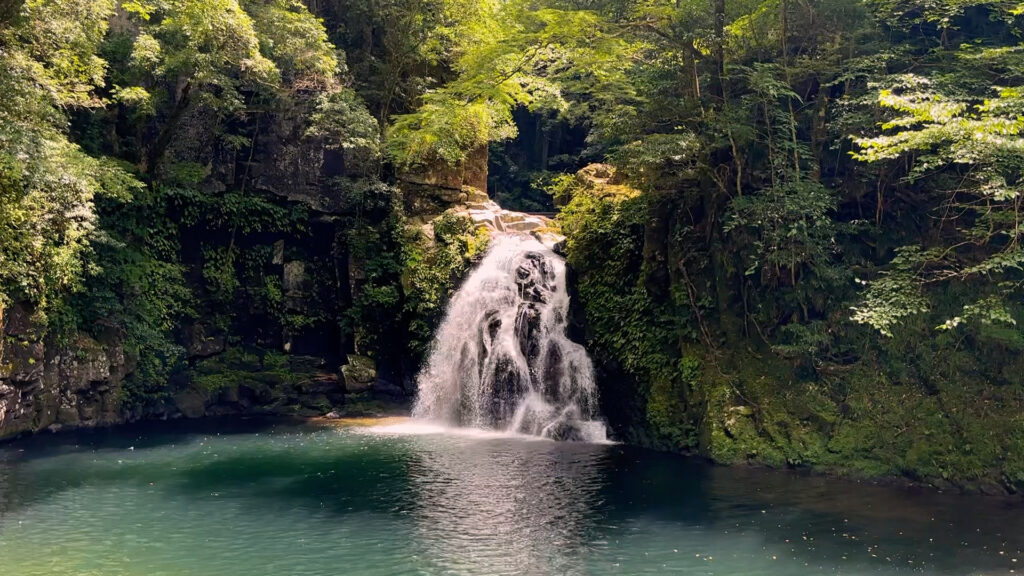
[376, 255]
[48, 185]
[432, 271]
[264, 370]
[625, 326]
[445, 129]
[139, 290]
[95, 87]
[295, 41]
[509, 56]
[646, 159]
[219, 274]
[405, 279]
[667, 406]
[60, 40]
[890, 299]
[725, 299]
[563, 188]
[791, 226]
[343, 121]
[942, 135]
[211, 45]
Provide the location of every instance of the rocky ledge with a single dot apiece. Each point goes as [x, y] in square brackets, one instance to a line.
[485, 212]
[50, 386]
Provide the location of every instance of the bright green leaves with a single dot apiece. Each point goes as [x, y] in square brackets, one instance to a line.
[343, 121]
[211, 46]
[890, 299]
[296, 42]
[222, 46]
[48, 184]
[515, 55]
[980, 144]
[61, 39]
[991, 310]
[940, 130]
[445, 129]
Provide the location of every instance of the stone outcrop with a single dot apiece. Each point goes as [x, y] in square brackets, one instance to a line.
[484, 212]
[429, 193]
[430, 190]
[202, 342]
[359, 374]
[44, 386]
[79, 383]
[251, 381]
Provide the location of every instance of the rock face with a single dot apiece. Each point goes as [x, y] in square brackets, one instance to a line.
[201, 343]
[359, 374]
[485, 212]
[475, 204]
[431, 190]
[78, 384]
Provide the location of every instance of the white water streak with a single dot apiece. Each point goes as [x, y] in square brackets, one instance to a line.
[501, 359]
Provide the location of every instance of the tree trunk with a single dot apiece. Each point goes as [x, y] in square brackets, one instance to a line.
[718, 89]
[156, 153]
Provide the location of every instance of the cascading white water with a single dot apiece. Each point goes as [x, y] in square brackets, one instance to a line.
[501, 359]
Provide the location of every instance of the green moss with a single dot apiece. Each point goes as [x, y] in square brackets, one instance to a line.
[432, 270]
[239, 366]
[867, 424]
[759, 414]
[942, 408]
[667, 406]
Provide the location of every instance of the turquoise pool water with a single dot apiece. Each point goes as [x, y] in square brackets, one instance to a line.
[257, 499]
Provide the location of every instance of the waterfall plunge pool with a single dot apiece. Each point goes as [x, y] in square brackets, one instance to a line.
[237, 498]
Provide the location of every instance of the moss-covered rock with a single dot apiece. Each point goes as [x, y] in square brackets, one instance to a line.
[359, 374]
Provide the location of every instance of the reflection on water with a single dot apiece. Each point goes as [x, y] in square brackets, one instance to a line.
[509, 508]
[311, 501]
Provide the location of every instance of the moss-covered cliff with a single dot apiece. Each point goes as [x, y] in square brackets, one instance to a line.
[682, 372]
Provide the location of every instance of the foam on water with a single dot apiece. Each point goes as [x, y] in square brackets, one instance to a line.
[427, 428]
[415, 427]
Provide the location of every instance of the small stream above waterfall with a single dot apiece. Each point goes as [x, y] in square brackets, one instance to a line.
[501, 359]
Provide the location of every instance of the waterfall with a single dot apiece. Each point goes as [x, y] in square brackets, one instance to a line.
[501, 359]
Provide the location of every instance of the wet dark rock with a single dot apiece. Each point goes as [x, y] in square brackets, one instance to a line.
[388, 389]
[509, 386]
[528, 331]
[551, 375]
[190, 403]
[201, 344]
[359, 374]
[566, 432]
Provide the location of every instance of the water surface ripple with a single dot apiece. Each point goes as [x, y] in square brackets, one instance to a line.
[278, 500]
